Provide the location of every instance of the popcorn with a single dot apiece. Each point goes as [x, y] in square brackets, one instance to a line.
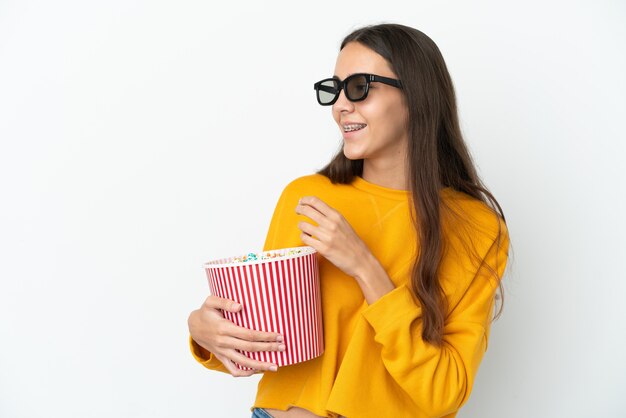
[265, 255]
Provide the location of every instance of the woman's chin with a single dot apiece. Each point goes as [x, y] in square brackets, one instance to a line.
[352, 154]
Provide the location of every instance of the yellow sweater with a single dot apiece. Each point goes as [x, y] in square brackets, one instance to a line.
[375, 362]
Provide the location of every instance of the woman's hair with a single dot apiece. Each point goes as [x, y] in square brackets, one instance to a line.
[437, 156]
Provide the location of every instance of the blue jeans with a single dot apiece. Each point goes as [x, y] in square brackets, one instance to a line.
[260, 413]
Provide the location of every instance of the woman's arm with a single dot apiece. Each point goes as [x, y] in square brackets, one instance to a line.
[334, 238]
[437, 379]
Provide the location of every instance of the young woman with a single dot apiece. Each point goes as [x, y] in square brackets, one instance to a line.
[412, 246]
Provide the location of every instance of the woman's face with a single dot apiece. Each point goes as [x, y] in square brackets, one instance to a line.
[383, 111]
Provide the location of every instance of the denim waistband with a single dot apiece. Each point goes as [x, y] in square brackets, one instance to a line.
[260, 413]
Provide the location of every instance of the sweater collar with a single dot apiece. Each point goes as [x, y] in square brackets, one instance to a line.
[386, 192]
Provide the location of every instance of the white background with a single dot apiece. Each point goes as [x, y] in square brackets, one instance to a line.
[140, 139]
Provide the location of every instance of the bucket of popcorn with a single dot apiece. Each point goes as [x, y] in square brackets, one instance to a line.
[279, 291]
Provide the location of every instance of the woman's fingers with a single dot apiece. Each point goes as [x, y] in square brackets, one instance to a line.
[311, 242]
[229, 335]
[253, 364]
[243, 345]
[318, 204]
[311, 230]
[234, 370]
[312, 213]
[231, 357]
[215, 302]
[252, 335]
[227, 327]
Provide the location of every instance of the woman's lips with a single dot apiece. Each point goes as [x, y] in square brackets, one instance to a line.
[350, 134]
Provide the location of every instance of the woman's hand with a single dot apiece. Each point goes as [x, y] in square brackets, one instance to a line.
[223, 338]
[333, 238]
[336, 241]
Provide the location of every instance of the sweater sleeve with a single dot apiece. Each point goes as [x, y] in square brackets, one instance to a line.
[205, 357]
[439, 379]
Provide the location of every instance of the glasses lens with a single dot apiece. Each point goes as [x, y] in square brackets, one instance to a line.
[327, 91]
[356, 87]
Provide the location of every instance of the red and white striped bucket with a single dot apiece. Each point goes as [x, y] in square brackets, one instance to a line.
[279, 291]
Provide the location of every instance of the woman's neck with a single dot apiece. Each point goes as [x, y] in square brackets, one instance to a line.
[386, 174]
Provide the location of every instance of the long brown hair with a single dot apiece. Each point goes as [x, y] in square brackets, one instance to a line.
[437, 156]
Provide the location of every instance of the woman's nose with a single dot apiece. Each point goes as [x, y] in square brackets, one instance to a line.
[342, 103]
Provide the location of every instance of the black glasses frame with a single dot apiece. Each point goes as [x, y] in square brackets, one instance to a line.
[369, 78]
